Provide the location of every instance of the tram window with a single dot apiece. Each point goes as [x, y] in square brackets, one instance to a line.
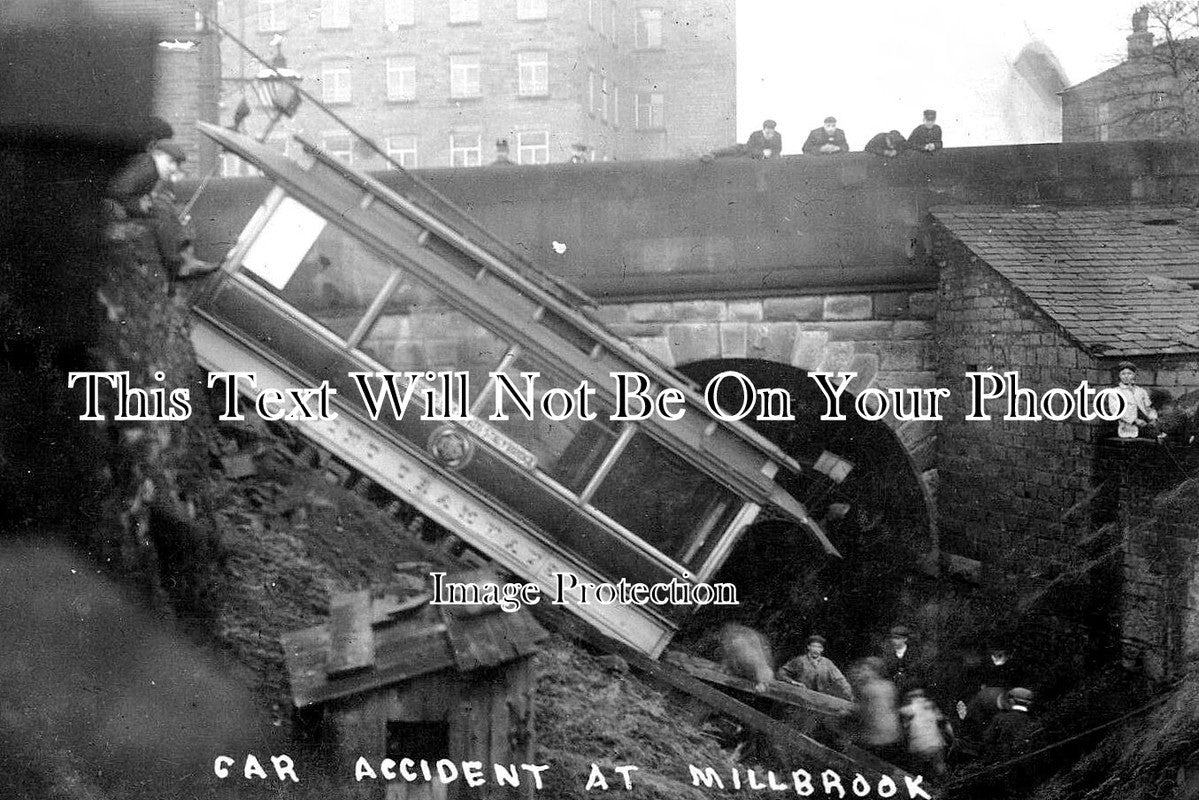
[419, 330]
[316, 267]
[568, 451]
[662, 499]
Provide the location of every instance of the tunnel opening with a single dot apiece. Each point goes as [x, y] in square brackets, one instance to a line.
[878, 517]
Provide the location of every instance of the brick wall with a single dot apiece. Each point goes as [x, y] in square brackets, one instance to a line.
[1157, 532]
[696, 71]
[1006, 487]
[1042, 498]
[186, 82]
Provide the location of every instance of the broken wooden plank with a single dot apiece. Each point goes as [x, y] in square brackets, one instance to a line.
[390, 606]
[790, 693]
[351, 642]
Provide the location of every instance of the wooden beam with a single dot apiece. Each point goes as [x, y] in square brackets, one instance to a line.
[351, 643]
[790, 693]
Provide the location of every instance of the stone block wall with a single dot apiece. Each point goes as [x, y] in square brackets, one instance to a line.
[885, 338]
[1159, 611]
[1042, 498]
[1010, 491]
[1158, 531]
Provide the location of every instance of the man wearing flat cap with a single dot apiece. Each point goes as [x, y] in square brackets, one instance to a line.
[766, 143]
[899, 659]
[816, 672]
[174, 235]
[926, 138]
[828, 140]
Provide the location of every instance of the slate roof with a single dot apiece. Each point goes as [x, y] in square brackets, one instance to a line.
[1117, 280]
[371, 643]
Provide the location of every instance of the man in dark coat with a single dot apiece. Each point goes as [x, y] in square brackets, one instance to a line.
[989, 682]
[887, 145]
[898, 659]
[766, 143]
[144, 191]
[926, 138]
[175, 236]
[828, 140]
[998, 668]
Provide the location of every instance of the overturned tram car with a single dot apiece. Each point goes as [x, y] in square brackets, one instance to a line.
[339, 278]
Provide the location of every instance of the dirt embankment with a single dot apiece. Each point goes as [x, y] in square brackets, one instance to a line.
[217, 540]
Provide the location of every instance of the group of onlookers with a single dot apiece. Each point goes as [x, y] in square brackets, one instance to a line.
[829, 140]
[895, 718]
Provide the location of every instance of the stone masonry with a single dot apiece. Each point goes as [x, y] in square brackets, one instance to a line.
[886, 338]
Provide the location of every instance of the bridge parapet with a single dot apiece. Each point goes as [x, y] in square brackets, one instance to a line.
[805, 224]
[799, 225]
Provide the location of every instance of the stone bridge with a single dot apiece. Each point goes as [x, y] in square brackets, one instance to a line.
[776, 268]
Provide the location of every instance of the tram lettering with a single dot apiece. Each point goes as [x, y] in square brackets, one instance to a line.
[635, 386]
[272, 404]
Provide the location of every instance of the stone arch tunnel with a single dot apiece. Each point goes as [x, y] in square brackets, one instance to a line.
[881, 517]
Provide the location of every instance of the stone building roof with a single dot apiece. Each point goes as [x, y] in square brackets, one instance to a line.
[1117, 280]
[1157, 64]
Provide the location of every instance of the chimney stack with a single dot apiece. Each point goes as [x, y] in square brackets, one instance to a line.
[1140, 43]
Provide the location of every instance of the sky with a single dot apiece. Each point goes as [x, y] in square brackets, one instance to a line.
[876, 65]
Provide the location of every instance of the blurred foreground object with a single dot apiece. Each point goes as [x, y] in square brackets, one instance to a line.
[100, 698]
